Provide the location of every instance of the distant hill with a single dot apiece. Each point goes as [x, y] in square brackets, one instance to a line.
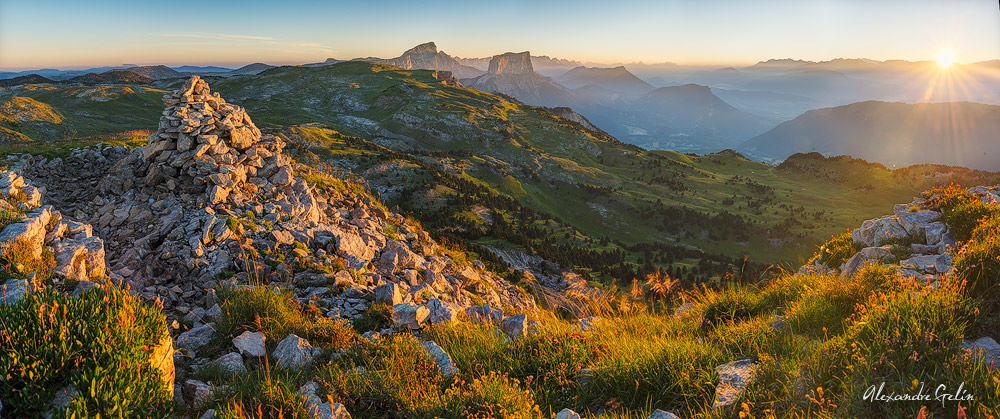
[113, 76]
[617, 79]
[512, 74]
[202, 69]
[28, 79]
[958, 133]
[696, 111]
[254, 68]
[427, 57]
[156, 72]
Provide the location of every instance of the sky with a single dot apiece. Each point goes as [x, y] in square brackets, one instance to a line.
[79, 34]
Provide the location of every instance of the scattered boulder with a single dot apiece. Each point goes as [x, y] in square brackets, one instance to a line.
[388, 294]
[319, 409]
[914, 222]
[161, 357]
[197, 337]
[231, 363]
[14, 290]
[567, 414]
[588, 323]
[440, 312]
[515, 327]
[986, 350]
[250, 344]
[409, 316]
[441, 358]
[659, 414]
[197, 393]
[483, 314]
[294, 352]
[734, 378]
[864, 257]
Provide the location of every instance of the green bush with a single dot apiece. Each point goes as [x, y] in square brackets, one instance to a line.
[261, 394]
[837, 250]
[98, 343]
[960, 210]
[390, 378]
[978, 263]
[551, 358]
[376, 317]
[896, 338]
[492, 396]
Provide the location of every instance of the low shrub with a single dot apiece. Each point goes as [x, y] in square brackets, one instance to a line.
[837, 250]
[279, 315]
[492, 396]
[98, 343]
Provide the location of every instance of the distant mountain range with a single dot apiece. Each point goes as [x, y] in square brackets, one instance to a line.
[961, 134]
[155, 72]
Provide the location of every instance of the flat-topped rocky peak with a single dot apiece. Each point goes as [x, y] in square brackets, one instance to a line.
[425, 48]
[511, 63]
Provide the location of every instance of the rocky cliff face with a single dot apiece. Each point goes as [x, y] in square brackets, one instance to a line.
[511, 63]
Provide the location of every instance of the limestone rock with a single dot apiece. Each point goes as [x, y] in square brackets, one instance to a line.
[231, 363]
[388, 294]
[162, 358]
[587, 324]
[864, 257]
[250, 344]
[659, 414]
[441, 358]
[409, 316]
[986, 350]
[515, 327]
[876, 231]
[14, 290]
[197, 393]
[197, 337]
[319, 409]
[567, 414]
[734, 377]
[294, 352]
[915, 222]
[483, 314]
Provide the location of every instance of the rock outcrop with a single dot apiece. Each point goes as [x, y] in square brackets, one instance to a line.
[511, 63]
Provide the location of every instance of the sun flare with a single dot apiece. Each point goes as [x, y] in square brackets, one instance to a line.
[945, 58]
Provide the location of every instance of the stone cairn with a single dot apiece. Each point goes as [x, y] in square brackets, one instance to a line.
[212, 149]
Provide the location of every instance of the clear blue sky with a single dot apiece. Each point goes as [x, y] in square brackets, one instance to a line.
[73, 34]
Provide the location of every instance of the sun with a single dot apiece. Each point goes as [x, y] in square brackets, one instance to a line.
[945, 58]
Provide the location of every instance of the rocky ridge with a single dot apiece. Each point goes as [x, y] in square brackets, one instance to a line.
[211, 201]
[209, 191]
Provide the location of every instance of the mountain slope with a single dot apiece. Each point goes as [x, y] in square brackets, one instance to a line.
[891, 133]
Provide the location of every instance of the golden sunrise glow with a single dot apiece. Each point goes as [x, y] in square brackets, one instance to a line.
[945, 58]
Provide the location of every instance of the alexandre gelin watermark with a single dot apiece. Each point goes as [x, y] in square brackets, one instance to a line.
[922, 393]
